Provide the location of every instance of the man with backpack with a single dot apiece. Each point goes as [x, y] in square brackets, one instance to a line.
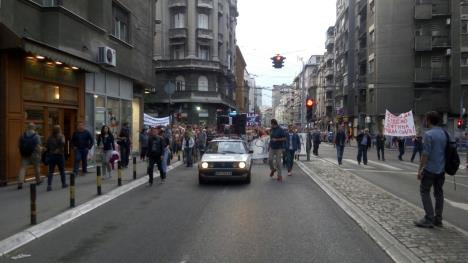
[156, 147]
[432, 169]
[82, 141]
[30, 149]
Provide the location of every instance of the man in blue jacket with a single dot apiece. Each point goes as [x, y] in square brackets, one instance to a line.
[82, 141]
[278, 138]
[293, 144]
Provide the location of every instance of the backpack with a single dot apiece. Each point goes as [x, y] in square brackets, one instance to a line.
[28, 145]
[452, 160]
[156, 146]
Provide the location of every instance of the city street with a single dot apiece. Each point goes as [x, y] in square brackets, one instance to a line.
[399, 178]
[180, 221]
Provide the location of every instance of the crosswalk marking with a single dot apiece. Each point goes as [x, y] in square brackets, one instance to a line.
[385, 165]
[355, 163]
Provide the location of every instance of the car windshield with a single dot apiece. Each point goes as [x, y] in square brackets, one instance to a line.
[223, 147]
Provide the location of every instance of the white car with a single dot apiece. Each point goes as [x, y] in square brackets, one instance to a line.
[225, 159]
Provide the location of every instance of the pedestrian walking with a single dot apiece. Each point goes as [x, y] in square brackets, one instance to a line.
[143, 140]
[340, 142]
[293, 144]
[431, 171]
[124, 143]
[201, 142]
[106, 146]
[417, 146]
[155, 153]
[56, 156]
[82, 141]
[167, 151]
[308, 143]
[316, 140]
[277, 140]
[176, 144]
[187, 147]
[380, 145]
[364, 143]
[30, 149]
[401, 147]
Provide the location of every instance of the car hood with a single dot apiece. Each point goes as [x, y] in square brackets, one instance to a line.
[224, 157]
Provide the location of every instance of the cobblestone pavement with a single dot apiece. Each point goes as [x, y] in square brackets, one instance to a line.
[394, 215]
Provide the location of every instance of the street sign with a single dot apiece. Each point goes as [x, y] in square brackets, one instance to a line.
[169, 88]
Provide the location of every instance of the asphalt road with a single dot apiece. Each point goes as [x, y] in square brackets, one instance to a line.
[180, 221]
[399, 178]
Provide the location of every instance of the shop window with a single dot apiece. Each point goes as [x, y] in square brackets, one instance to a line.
[113, 114]
[121, 22]
[126, 115]
[203, 83]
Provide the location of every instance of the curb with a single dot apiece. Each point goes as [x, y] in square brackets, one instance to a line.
[24, 237]
[391, 246]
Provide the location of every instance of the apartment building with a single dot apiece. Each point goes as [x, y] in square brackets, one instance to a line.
[195, 49]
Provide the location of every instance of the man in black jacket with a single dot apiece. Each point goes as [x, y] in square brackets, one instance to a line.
[364, 143]
[82, 141]
[156, 147]
[125, 143]
[380, 143]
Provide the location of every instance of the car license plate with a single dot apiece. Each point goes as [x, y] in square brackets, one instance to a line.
[223, 173]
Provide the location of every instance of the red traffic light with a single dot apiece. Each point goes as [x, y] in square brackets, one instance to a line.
[460, 123]
[278, 61]
[310, 103]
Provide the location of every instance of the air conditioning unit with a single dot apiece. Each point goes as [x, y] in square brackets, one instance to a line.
[448, 22]
[107, 56]
[448, 52]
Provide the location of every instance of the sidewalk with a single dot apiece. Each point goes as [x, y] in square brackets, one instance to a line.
[387, 218]
[15, 203]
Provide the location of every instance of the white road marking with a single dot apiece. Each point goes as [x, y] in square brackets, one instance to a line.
[355, 163]
[331, 160]
[457, 205]
[378, 171]
[385, 165]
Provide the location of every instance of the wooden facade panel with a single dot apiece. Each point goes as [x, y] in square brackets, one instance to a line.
[3, 138]
[13, 85]
[14, 127]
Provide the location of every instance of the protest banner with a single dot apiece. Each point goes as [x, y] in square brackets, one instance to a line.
[260, 148]
[153, 122]
[399, 126]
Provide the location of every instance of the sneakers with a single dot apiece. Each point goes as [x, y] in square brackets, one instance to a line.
[289, 173]
[49, 188]
[64, 185]
[20, 186]
[280, 179]
[424, 223]
[438, 223]
[272, 172]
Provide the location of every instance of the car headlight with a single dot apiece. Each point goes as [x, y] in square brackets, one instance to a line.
[242, 165]
[204, 165]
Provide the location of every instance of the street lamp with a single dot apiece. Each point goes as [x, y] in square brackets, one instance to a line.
[198, 108]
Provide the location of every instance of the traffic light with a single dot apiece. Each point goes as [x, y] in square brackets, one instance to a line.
[278, 61]
[460, 123]
[310, 103]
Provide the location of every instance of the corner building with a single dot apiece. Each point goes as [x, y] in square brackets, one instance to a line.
[195, 49]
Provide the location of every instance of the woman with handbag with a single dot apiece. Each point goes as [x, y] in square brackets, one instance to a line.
[107, 140]
[55, 156]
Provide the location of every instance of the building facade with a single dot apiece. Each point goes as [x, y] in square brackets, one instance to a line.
[64, 62]
[195, 50]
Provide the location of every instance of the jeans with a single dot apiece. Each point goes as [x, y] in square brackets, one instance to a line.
[416, 150]
[165, 161]
[155, 159]
[188, 156]
[316, 147]
[81, 155]
[124, 155]
[274, 158]
[362, 154]
[429, 180]
[402, 152]
[339, 153]
[290, 159]
[59, 161]
[381, 150]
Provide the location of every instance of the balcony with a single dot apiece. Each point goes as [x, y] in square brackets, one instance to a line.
[426, 9]
[220, 8]
[329, 57]
[464, 40]
[329, 72]
[205, 4]
[362, 4]
[428, 43]
[177, 33]
[464, 75]
[362, 54]
[429, 75]
[177, 3]
[205, 33]
[220, 38]
[440, 42]
[163, 65]
[330, 41]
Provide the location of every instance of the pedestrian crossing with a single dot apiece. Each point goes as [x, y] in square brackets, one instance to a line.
[373, 165]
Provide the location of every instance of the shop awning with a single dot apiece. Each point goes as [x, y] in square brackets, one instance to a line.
[54, 54]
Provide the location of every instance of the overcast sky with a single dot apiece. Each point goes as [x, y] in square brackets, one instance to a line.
[293, 28]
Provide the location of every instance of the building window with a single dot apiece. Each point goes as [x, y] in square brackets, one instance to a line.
[371, 96]
[464, 59]
[203, 83]
[464, 26]
[204, 52]
[178, 20]
[371, 66]
[203, 21]
[121, 21]
[180, 83]
[372, 7]
[372, 37]
[178, 52]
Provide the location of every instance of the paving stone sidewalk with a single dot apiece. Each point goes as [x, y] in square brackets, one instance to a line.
[394, 215]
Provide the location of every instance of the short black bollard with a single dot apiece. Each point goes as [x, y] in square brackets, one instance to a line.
[33, 204]
[72, 190]
[98, 180]
[119, 173]
[134, 168]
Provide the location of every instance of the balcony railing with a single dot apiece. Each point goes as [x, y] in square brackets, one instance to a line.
[205, 33]
[428, 75]
[428, 43]
[177, 3]
[426, 9]
[220, 38]
[220, 8]
[330, 41]
[329, 72]
[178, 33]
[205, 3]
[188, 63]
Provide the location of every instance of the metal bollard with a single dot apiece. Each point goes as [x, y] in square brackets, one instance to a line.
[72, 190]
[33, 204]
[119, 173]
[98, 180]
[134, 168]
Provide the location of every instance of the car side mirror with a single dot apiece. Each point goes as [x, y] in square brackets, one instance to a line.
[251, 152]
